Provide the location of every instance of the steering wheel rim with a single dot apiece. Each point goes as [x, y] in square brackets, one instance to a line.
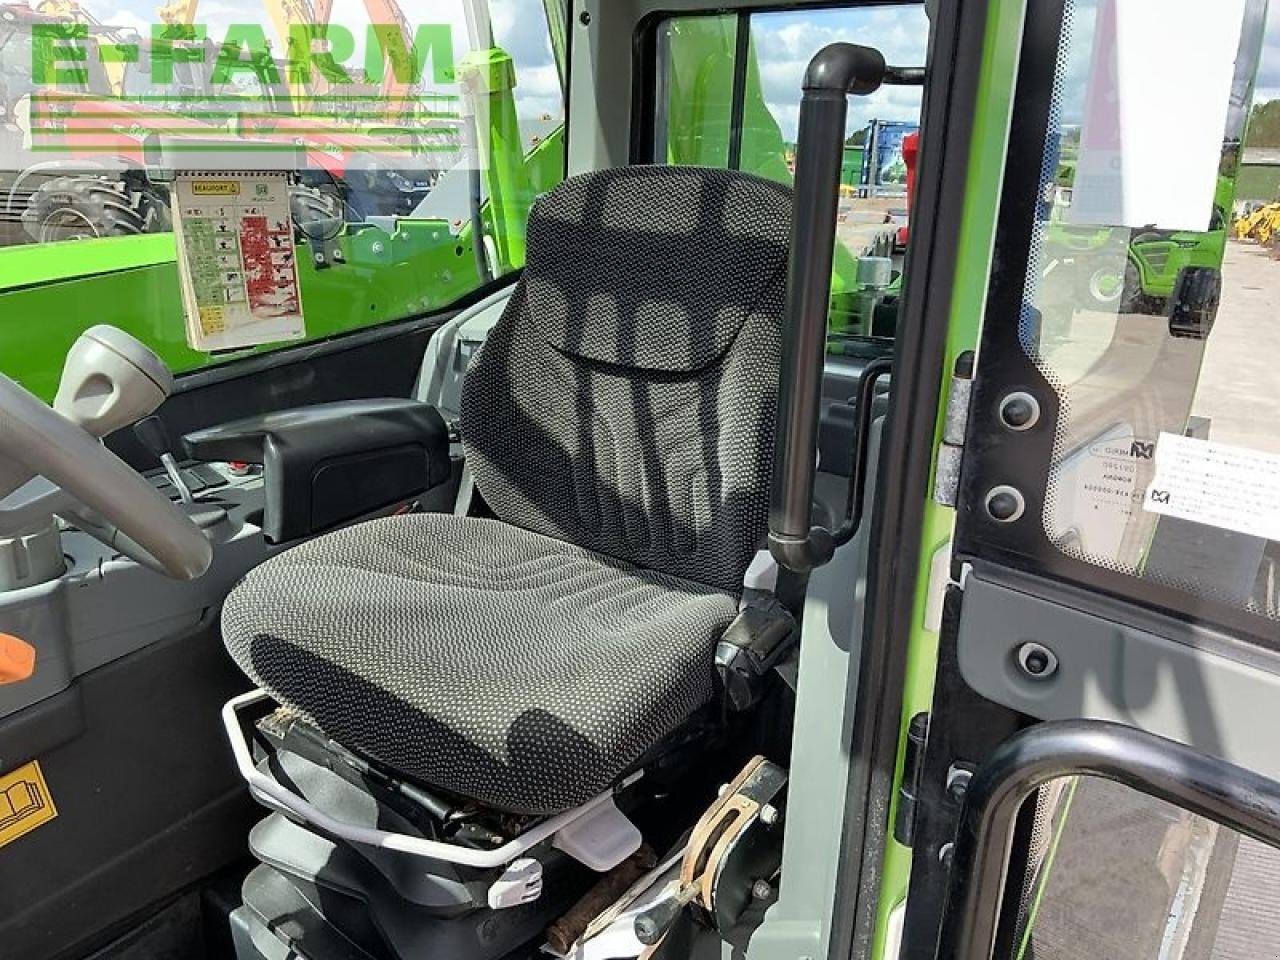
[143, 519]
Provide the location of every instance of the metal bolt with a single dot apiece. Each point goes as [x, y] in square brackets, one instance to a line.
[585, 18]
[378, 248]
[1037, 661]
[1005, 504]
[762, 890]
[338, 255]
[958, 783]
[768, 814]
[1020, 411]
[318, 256]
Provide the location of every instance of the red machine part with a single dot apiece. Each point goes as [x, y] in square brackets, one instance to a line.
[910, 154]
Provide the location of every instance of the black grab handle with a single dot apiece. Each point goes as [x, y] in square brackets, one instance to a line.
[864, 411]
[1240, 799]
[834, 73]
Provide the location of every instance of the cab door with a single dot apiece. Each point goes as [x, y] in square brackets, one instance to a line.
[1116, 558]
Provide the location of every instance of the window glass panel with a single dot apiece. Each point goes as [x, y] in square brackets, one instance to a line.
[1115, 873]
[873, 220]
[695, 118]
[1157, 336]
[87, 237]
[695, 97]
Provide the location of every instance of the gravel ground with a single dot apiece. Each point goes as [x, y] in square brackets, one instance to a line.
[1137, 879]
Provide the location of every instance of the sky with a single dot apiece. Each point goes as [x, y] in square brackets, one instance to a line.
[1268, 83]
[782, 42]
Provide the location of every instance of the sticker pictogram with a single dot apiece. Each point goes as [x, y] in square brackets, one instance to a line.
[25, 802]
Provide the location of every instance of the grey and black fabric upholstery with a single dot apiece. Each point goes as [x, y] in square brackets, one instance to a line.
[619, 422]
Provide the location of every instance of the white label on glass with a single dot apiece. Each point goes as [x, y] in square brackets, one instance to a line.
[1235, 488]
[1155, 114]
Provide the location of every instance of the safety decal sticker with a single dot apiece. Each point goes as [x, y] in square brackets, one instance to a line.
[25, 802]
[236, 260]
[1235, 488]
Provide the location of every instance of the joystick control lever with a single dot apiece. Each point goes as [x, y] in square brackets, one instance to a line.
[155, 437]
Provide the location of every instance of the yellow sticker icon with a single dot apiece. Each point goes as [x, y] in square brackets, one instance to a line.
[25, 802]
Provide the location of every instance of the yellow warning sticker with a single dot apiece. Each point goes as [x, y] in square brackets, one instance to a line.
[215, 188]
[25, 802]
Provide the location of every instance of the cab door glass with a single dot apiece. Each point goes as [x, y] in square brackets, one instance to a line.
[1154, 323]
[695, 94]
[1115, 873]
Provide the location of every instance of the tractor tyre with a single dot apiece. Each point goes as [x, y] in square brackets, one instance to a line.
[84, 207]
[1102, 289]
[1132, 299]
[317, 214]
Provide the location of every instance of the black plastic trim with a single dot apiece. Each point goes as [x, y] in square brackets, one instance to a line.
[331, 463]
[964, 728]
[648, 88]
[350, 368]
[247, 366]
[864, 411]
[567, 79]
[738, 101]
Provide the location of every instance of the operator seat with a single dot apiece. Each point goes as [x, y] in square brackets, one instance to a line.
[619, 423]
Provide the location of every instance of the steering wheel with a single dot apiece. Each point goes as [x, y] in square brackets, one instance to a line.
[132, 516]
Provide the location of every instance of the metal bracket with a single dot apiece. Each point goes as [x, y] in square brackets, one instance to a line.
[904, 822]
[946, 482]
[273, 794]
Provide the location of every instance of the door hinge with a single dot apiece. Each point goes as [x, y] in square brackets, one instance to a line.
[946, 482]
[904, 821]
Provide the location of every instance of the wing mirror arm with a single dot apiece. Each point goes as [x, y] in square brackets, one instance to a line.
[836, 72]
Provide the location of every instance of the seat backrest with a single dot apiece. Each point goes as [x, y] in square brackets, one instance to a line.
[625, 401]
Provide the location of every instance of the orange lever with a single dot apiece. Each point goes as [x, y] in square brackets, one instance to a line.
[17, 659]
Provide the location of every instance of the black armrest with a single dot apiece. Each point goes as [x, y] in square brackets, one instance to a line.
[326, 464]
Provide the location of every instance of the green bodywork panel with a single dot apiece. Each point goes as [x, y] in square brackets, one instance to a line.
[386, 277]
[1161, 256]
[1002, 47]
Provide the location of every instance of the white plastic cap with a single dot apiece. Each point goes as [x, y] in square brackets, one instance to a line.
[110, 380]
[521, 882]
[762, 573]
[602, 839]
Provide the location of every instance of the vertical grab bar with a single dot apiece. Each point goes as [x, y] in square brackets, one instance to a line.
[834, 73]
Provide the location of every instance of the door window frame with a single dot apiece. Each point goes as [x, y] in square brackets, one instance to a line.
[996, 456]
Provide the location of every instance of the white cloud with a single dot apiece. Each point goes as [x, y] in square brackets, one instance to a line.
[129, 20]
[1268, 82]
[785, 43]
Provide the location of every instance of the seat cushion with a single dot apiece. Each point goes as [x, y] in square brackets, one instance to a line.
[478, 657]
